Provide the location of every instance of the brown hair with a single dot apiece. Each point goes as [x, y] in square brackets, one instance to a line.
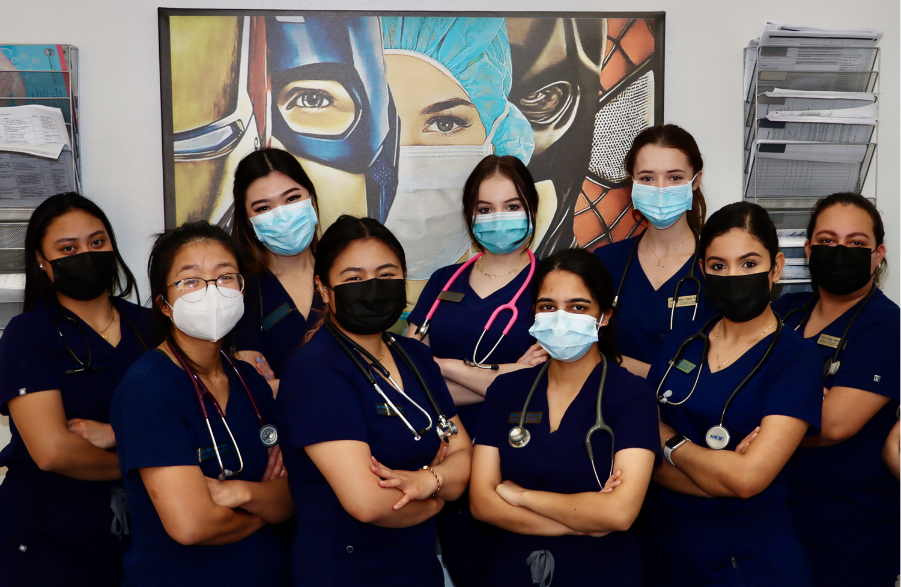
[513, 169]
[858, 201]
[254, 166]
[673, 137]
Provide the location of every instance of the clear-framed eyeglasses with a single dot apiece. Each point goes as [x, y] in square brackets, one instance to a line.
[230, 285]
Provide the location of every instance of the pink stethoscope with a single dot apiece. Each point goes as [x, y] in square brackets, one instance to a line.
[423, 329]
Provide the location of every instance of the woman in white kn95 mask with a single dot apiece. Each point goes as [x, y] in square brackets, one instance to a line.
[546, 467]
[196, 445]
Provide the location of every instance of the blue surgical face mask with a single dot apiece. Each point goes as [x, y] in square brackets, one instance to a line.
[287, 230]
[565, 336]
[663, 206]
[502, 233]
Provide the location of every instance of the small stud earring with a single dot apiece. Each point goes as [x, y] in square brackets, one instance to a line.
[42, 265]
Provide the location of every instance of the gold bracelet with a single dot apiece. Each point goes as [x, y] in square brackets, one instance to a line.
[432, 471]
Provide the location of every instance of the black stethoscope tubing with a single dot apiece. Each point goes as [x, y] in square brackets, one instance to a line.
[518, 436]
[445, 429]
[81, 365]
[832, 365]
[701, 335]
[690, 277]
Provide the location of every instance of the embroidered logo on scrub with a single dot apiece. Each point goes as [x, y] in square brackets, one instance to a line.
[386, 410]
[206, 453]
[683, 301]
[276, 315]
[450, 296]
[830, 341]
[531, 417]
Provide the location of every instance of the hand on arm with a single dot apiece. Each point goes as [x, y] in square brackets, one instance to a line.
[182, 498]
[488, 505]
[727, 473]
[260, 363]
[41, 421]
[845, 412]
[97, 433]
[594, 511]
[636, 367]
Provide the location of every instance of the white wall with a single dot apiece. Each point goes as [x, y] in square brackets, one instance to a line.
[120, 92]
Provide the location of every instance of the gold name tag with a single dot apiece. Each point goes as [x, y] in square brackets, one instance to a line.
[830, 341]
[685, 366]
[450, 296]
[683, 301]
[386, 410]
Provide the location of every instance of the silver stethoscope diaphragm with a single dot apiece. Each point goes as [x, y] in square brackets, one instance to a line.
[519, 437]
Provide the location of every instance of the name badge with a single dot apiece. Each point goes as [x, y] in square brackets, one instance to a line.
[207, 453]
[685, 366]
[386, 410]
[450, 296]
[276, 315]
[830, 341]
[531, 417]
[683, 301]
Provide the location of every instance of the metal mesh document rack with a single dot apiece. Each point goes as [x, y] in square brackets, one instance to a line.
[45, 75]
[790, 165]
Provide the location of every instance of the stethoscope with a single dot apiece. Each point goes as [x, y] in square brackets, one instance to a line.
[519, 436]
[445, 428]
[81, 365]
[423, 329]
[717, 437]
[690, 277]
[268, 432]
[832, 365]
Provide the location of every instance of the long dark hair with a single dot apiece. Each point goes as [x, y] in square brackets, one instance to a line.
[746, 216]
[513, 169]
[673, 137]
[594, 274]
[162, 256]
[37, 285]
[857, 200]
[254, 166]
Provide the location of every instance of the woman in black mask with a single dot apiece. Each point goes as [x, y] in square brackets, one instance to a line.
[850, 530]
[725, 517]
[62, 504]
[367, 426]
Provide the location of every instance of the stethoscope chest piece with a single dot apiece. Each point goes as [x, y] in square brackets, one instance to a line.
[717, 437]
[519, 437]
[269, 435]
[831, 367]
[445, 429]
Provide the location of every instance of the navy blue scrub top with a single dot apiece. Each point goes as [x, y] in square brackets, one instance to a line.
[643, 313]
[456, 326]
[33, 358]
[863, 516]
[325, 397]
[158, 423]
[280, 328]
[786, 385]
[558, 461]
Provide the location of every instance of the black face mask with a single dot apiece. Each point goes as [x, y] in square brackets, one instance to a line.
[840, 270]
[739, 297]
[85, 276]
[371, 306]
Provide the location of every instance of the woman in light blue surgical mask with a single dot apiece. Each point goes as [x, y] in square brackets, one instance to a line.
[454, 317]
[658, 285]
[275, 223]
[564, 452]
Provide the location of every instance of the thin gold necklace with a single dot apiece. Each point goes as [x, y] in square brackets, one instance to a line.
[660, 259]
[719, 366]
[102, 333]
[493, 275]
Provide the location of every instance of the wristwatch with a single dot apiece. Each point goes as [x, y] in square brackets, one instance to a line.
[672, 444]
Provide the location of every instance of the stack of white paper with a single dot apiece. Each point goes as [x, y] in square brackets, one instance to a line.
[862, 115]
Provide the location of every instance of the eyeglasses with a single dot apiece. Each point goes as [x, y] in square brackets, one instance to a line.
[230, 285]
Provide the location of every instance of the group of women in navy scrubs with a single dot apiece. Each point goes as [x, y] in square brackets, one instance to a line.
[534, 411]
